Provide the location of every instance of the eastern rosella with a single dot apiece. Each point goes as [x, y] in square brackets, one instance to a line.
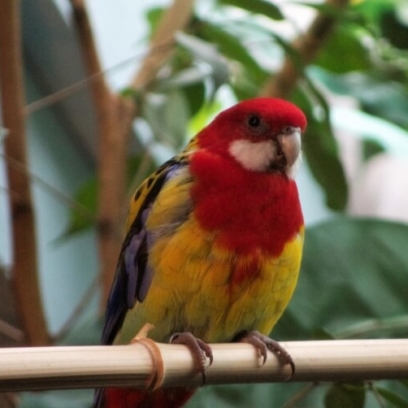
[214, 242]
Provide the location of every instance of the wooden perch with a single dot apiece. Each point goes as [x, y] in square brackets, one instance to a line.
[149, 365]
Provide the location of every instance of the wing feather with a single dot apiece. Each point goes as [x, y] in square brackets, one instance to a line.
[133, 275]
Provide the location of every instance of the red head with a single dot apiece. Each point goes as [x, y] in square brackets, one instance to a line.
[261, 134]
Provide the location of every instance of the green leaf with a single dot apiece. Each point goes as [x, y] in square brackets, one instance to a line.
[248, 395]
[345, 395]
[322, 157]
[131, 93]
[207, 52]
[168, 117]
[321, 151]
[186, 77]
[83, 215]
[56, 399]
[372, 10]
[153, 17]
[324, 8]
[175, 118]
[394, 30]
[257, 6]
[371, 148]
[343, 52]
[378, 96]
[195, 95]
[392, 397]
[394, 326]
[353, 270]
[232, 47]
[191, 82]
[139, 167]
[364, 126]
[204, 115]
[244, 88]
[321, 334]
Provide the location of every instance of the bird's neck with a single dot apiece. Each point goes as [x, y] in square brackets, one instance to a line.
[250, 212]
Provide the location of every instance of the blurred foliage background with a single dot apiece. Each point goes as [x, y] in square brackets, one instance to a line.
[352, 82]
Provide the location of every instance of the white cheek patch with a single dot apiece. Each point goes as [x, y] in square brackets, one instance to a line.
[253, 156]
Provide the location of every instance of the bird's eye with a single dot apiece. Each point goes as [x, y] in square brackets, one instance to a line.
[254, 121]
[287, 130]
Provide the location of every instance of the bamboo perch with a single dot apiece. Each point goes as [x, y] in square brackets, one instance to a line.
[149, 365]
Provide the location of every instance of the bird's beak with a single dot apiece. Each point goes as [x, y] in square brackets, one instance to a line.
[290, 146]
[287, 152]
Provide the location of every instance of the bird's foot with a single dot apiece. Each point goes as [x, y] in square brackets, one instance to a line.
[198, 348]
[264, 343]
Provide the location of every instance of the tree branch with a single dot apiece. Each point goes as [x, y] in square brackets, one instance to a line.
[149, 365]
[307, 46]
[25, 265]
[175, 18]
[115, 117]
[111, 111]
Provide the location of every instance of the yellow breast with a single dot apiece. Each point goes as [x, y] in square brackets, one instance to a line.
[195, 288]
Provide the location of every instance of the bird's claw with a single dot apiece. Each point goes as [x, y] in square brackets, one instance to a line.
[264, 343]
[198, 348]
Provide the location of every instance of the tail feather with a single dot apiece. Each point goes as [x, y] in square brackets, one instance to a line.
[131, 398]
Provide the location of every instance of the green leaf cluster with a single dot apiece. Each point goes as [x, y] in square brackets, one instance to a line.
[362, 58]
[355, 271]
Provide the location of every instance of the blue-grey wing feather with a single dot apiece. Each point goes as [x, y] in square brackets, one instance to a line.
[133, 275]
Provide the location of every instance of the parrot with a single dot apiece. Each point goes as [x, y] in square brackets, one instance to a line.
[214, 244]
